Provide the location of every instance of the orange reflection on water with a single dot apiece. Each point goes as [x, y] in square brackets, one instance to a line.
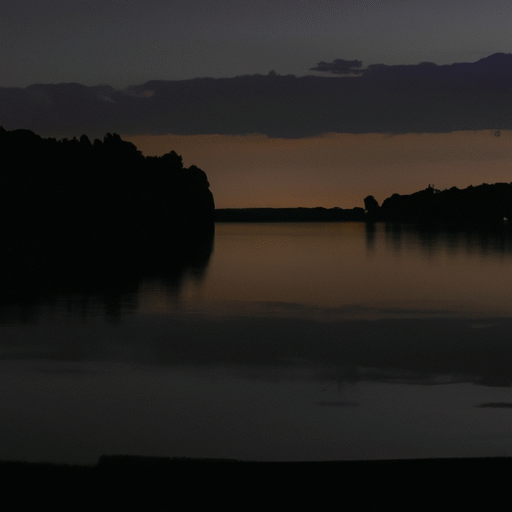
[345, 270]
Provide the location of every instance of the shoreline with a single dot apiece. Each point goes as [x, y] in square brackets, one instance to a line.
[318, 214]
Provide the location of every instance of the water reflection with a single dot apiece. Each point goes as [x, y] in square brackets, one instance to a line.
[102, 284]
[254, 317]
[414, 351]
[492, 241]
[288, 342]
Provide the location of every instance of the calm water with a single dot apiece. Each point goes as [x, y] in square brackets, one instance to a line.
[295, 342]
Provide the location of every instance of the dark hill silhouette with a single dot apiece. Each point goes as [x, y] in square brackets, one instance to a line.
[482, 205]
[90, 209]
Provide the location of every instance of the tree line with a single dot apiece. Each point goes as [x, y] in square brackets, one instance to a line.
[481, 205]
[73, 198]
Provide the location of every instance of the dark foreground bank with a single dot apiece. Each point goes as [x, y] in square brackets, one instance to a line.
[183, 484]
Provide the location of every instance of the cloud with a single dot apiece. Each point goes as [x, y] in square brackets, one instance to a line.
[497, 405]
[339, 66]
[423, 98]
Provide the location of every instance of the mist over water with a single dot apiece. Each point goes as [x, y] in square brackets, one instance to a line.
[313, 341]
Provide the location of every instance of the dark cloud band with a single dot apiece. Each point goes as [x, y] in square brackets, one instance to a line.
[339, 66]
[382, 99]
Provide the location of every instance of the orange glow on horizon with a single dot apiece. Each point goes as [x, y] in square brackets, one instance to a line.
[336, 169]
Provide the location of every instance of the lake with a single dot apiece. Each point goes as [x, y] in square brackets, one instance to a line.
[306, 341]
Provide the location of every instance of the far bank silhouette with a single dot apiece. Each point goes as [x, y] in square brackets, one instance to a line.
[482, 206]
[76, 195]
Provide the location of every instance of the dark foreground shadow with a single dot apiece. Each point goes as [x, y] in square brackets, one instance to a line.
[185, 484]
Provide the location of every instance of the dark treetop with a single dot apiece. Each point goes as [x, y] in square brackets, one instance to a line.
[79, 207]
[482, 205]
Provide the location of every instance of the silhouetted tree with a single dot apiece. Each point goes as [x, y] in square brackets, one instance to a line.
[71, 196]
[371, 205]
[481, 205]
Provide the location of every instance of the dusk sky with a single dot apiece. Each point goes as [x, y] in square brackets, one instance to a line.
[122, 43]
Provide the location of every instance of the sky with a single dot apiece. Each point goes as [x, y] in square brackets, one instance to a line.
[123, 43]
[126, 42]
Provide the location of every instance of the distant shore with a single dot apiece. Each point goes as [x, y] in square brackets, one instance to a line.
[318, 214]
[483, 206]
